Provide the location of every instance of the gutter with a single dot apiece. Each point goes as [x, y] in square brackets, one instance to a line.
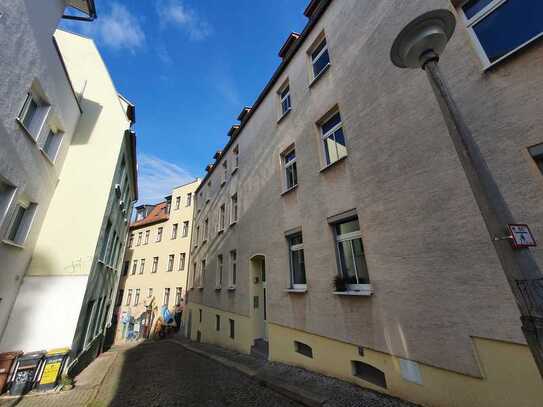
[92, 13]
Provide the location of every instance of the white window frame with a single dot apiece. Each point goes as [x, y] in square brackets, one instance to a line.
[155, 264]
[149, 292]
[11, 191]
[220, 271]
[177, 203]
[320, 39]
[147, 234]
[142, 266]
[481, 15]
[178, 296]
[286, 165]
[222, 218]
[344, 238]
[175, 226]
[166, 296]
[206, 230]
[330, 133]
[52, 152]
[185, 229]
[128, 297]
[235, 151]
[292, 249]
[233, 275]
[25, 223]
[38, 120]
[189, 199]
[159, 232]
[131, 240]
[171, 262]
[137, 297]
[225, 172]
[284, 98]
[234, 209]
[182, 260]
[140, 236]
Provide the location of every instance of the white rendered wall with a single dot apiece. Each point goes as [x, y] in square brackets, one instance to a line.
[45, 313]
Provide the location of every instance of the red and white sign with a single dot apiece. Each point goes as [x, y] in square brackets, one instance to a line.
[521, 236]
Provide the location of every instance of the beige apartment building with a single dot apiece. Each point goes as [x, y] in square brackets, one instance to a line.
[336, 229]
[156, 262]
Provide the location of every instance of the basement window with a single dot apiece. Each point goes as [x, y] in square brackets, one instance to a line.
[303, 349]
[369, 373]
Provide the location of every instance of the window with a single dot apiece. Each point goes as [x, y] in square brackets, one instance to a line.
[134, 267]
[137, 297]
[178, 295]
[233, 268]
[166, 301]
[149, 292]
[171, 259]
[177, 202]
[289, 168]
[217, 322]
[155, 265]
[120, 296]
[303, 349]
[189, 199]
[222, 217]
[225, 172]
[206, 230]
[218, 277]
[126, 266]
[236, 158]
[234, 209]
[174, 230]
[51, 145]
[131, 241]
[142, 266]
[182, 257]
[194, 272]
[33, 114]
[159, 235]
[21, 221]
[200, 315]
[350, 251]
[333, 139]
[197, 236]
[232, 328]
[500, 28]
[296, 260]
[140, 235]
[369, 373]
[537, 154]
[147, 234]
[202, 273]
[185, 229]
[284, 98]
[320, 58]
[7, 192]
[129, 297]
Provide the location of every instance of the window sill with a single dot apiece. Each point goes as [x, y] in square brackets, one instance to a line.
[323, 169]
[296, 290]
[234, 170]
[320, 75]
[223, 184]
[286, 191]
[200, 288]
[364, 292]
[233, 223]
[232, 288]
[10, 243]
[220, 232]
[284, 115]
[26, 131]
[218, 288]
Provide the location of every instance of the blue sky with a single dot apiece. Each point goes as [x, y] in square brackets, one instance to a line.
[189, 66]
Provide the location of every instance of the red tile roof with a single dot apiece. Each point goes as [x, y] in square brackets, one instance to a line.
[157, 214]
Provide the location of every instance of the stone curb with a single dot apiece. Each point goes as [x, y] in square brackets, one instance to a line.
[280, 386]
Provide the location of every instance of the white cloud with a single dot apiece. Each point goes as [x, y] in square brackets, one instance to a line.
[175, 12]
[117, 28]
[157, 178]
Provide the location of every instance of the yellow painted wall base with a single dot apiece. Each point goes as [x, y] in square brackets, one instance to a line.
[242, 341]
[510, 378]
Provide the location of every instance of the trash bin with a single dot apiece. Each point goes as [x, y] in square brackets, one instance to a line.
[53, 365]
[6, 362]
[24, 378]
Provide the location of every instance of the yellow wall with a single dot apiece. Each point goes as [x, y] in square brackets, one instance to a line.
[243, 328]
[510, 378]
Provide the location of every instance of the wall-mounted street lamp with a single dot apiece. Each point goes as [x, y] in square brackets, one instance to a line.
[419, 45]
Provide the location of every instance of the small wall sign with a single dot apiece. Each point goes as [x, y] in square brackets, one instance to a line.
[521, 236]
